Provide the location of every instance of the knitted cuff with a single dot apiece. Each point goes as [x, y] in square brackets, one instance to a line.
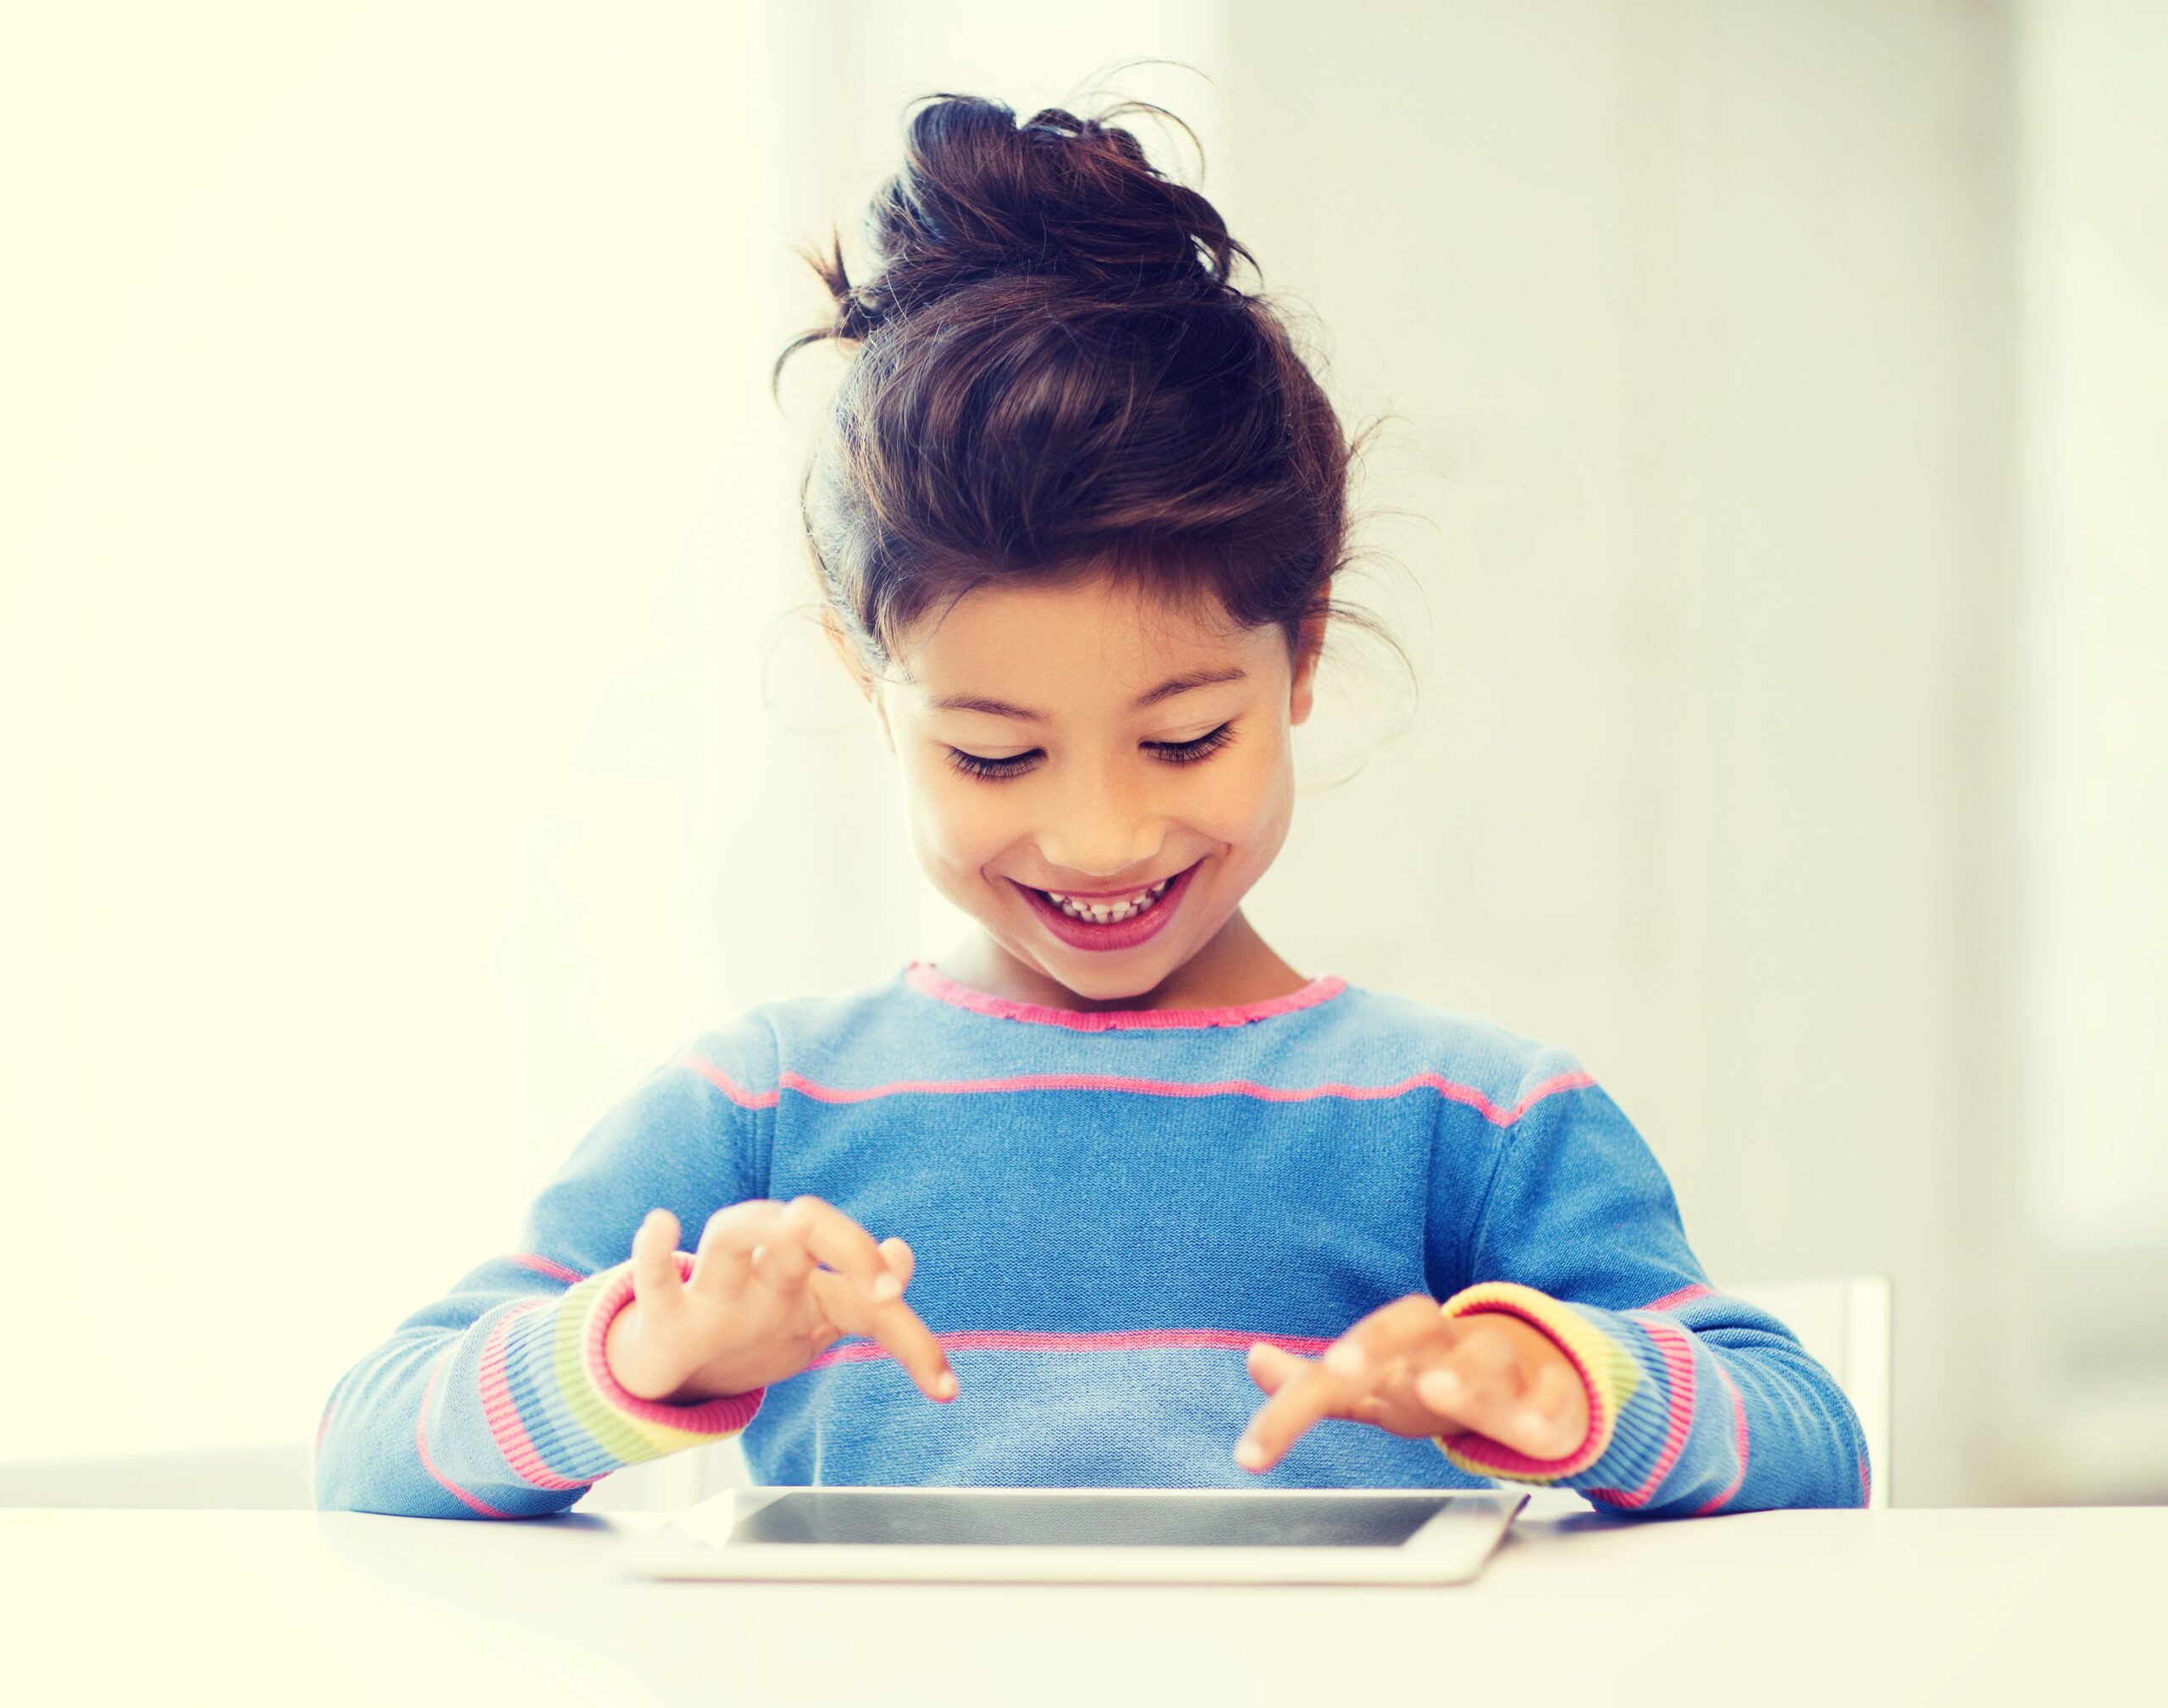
[1607, 1373]
[584, 1424]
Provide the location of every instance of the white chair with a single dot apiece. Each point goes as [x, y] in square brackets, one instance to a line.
[1844, 1322]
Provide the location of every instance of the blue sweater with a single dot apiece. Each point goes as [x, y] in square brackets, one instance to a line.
[1106, 1210]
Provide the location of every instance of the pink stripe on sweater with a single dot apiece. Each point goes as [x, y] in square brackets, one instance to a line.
[502, 1411]
[422, 1443]
[543, 1266]
[729, 1087]
[857, 1350]
[1322, 988]
[1163, 1088]
[1739, 1431]
[1685, 1295]
[1678, 1366]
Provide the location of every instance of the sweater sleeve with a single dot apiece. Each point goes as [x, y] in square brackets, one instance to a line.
[495, 1402]
[1698, 1401]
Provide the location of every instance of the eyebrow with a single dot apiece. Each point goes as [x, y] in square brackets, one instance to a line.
[1166, 690]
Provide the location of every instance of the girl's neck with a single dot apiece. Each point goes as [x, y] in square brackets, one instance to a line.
[1236, 968]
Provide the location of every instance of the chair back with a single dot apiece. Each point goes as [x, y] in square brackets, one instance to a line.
[1844, 1322]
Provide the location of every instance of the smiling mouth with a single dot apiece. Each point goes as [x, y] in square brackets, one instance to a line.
[1113, 914]
[1109, 913]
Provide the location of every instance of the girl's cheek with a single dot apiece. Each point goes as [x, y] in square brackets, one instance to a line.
[1251, 801]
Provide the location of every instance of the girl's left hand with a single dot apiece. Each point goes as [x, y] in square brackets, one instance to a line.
[1410, 1369]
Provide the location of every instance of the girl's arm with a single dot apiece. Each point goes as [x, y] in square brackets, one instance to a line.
[495, 1402]
[1699, 1402]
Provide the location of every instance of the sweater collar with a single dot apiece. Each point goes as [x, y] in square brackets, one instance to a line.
[923, 976]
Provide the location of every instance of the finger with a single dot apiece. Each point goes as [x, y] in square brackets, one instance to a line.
[723, 1265]
[655, 1265]
[894, 1324]
[836, 1239]
[1439, 1386]
[1408, 1328]
[1554, 1414]
[784, 1262]
[1306, 1398]
[901, 1259]
[1489, 1362]
[1353, 1366]
[1271, 1367]
[1478, 1383]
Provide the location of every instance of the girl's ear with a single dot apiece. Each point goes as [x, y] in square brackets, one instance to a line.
[1306, 668]
[850, 662]
[842, 647]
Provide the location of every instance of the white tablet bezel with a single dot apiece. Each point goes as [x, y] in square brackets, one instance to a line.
[1451, 1547]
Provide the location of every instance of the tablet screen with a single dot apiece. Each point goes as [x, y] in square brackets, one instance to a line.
[1198, 1520]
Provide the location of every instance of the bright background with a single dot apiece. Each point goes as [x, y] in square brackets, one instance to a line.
[409, 730]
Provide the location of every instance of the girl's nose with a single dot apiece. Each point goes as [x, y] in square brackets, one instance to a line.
[1101, 830]
[1101, 846]
[1098, 862]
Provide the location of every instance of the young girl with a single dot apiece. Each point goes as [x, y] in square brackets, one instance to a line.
[1153, 1207]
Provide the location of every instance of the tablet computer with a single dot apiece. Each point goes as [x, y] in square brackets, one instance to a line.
[1082, 1535]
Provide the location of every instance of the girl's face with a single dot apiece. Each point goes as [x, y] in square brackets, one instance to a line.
[1094, 741]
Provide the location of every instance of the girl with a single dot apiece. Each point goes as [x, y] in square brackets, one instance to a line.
[1158, 1208]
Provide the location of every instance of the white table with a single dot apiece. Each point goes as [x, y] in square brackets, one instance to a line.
[1968, 1605]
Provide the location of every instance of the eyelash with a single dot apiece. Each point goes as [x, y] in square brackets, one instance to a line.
[1170, 752]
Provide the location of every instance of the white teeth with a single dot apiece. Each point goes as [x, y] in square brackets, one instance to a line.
[1111, 913]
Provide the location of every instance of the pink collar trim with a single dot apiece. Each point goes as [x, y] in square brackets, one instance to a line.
[923, 977]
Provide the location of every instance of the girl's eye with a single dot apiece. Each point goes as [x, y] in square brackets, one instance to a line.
[1171, 752]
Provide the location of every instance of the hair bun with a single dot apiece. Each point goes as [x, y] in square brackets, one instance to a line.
[979, 195]
[1057, 377]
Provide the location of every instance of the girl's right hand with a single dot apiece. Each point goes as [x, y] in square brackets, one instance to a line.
[758, 1307]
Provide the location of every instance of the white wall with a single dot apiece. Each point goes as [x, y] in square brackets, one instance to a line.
[2091, 696]
[407, 738]
[1704, 322]
[387, 460]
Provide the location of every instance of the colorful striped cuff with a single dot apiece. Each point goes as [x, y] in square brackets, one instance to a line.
[573, 1419]
[1607, 1371]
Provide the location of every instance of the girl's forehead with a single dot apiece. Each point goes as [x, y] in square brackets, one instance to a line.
[1060, 623]
[1086, 642]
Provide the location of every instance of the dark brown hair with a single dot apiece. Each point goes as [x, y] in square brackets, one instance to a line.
[1055, 376]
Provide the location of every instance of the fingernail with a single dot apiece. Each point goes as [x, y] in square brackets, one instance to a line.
[1248, 1453]
[886, 1285]
[1345, 1358]
[945, 1384]
[1440, 1385]
[1532, 1422]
